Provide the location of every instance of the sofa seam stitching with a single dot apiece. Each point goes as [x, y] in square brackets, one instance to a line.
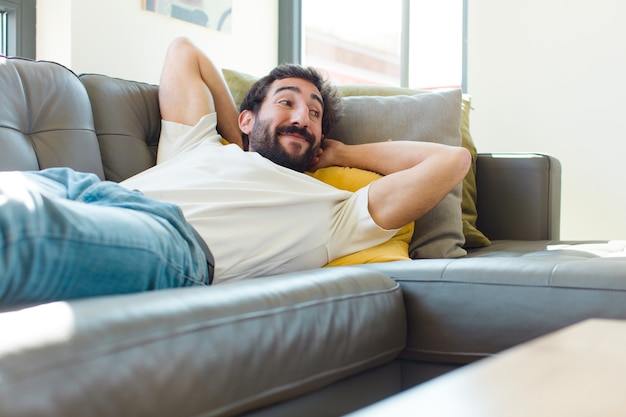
[551, 285]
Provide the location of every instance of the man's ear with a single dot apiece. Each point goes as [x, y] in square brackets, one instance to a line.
[246, 121]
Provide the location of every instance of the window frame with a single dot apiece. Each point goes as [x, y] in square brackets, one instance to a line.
[290, 37]
[20, 16]
[4, 32]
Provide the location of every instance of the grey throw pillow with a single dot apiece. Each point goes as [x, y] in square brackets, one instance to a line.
[430, 117]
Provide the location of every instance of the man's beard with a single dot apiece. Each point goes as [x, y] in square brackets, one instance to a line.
[268, 145]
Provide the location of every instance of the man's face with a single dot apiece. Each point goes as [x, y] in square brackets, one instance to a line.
[288, 127]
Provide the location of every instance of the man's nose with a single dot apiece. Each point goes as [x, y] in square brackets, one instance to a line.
[300, 116]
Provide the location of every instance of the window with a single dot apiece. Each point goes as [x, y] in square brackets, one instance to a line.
[409, 43]
[353, 47]
[17, 28]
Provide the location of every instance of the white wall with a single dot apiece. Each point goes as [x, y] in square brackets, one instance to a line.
[120, 39]
[548, 76]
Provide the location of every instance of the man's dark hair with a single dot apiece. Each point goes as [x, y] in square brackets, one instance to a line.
[333, 106]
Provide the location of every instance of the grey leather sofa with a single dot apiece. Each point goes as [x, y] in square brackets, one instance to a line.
[319, 343]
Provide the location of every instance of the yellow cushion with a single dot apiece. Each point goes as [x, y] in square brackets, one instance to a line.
[351, 179]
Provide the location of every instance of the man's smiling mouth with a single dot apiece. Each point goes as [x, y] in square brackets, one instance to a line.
[296, 133]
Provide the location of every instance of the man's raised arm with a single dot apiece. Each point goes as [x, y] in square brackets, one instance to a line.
[417, 175]
[192, 86]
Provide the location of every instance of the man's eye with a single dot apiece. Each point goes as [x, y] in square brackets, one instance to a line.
[285, 102]
[315, 113]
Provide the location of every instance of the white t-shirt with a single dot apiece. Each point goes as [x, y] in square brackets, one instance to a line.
[258, 218]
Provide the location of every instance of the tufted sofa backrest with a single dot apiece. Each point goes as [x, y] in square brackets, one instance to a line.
[50, 117]
[45, 118]
[127, 121]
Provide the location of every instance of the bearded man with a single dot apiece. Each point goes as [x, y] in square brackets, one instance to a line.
[228, 198]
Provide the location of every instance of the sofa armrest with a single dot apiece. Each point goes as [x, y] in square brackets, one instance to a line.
[519, 196]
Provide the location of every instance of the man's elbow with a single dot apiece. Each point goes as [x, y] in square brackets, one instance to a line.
[460, 161]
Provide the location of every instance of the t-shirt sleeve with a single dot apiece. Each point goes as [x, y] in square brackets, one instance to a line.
[177, 138]
[353, 229]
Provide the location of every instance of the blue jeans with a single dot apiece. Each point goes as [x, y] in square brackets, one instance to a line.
[67, 235]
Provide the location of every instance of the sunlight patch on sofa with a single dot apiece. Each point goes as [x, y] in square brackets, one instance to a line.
[35, 327]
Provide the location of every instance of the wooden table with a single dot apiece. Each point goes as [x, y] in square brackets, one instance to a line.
[577, 371]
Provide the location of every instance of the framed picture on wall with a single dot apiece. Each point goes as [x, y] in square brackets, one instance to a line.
[213, 14]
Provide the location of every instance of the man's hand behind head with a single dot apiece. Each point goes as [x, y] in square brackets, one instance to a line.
[327, 155]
